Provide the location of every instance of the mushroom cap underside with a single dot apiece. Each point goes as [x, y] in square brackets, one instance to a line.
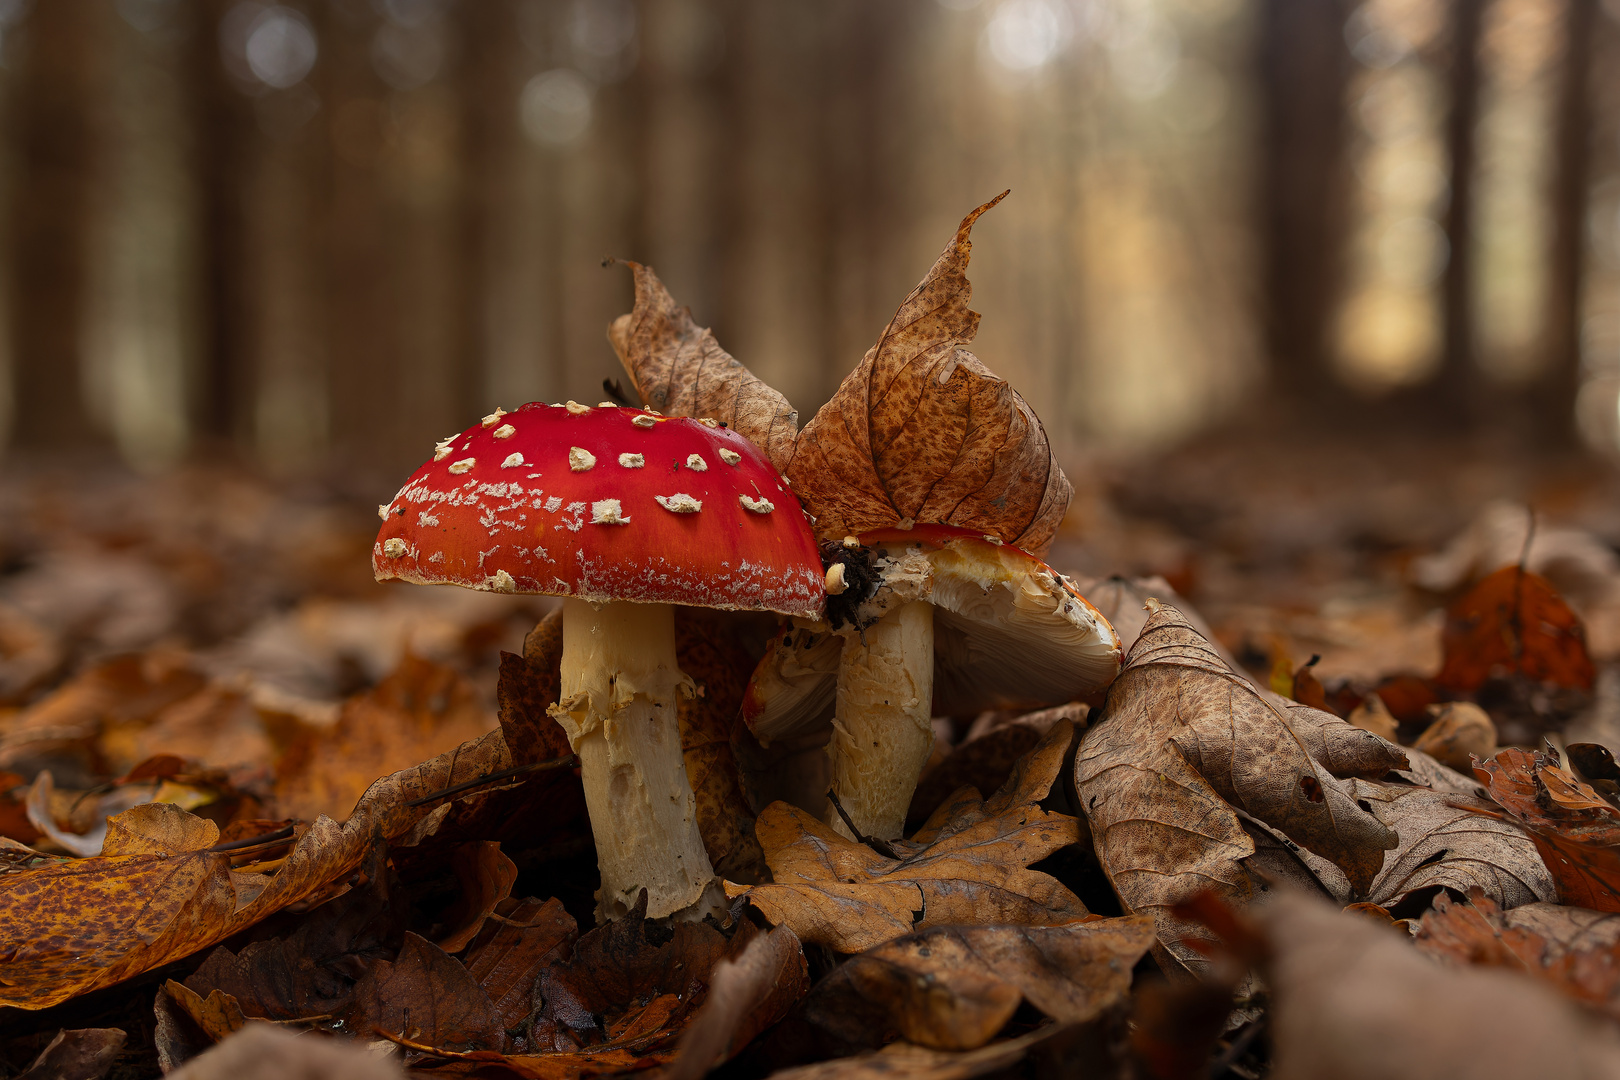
[604, 503]
[1009, 633]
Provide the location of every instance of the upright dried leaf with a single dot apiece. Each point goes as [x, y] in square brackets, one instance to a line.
[679, 369]
[967, 865]
[921, 431]
[1513, 623]
[955, 987]
[751, 990]
[1184, 741]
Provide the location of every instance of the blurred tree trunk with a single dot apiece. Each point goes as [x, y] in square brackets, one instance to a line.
[220, 120]
[1455, 388]
[1567, 258]
[1304, 71]
[54, 109]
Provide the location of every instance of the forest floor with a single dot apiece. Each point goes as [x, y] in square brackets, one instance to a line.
[204, 658]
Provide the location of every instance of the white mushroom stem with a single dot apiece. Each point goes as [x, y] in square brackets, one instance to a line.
[619, 681]
[881, 735]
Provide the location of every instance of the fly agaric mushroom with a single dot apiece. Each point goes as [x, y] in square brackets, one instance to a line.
[623, 513]
[954, 620]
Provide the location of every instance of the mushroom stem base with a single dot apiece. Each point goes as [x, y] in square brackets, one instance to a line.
[881, 735]
[619, 681]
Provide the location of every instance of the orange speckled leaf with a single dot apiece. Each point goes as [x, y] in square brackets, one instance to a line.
[922, 431]
[70, 927]
[679, 369]
[1513, 623]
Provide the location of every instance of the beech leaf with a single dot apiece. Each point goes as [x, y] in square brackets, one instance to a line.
[967, 865]
[680, 369]
[921, 431]
[955, 987]
[1185, 740]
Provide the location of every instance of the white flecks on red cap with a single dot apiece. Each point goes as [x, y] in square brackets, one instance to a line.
[504, 431]
[644, 421]
[577, 409]
[608, 512]
[759, 506]
[679, 503]
[696, 463]
[581, 459]
[492, 417]
[463, 466]
[394, 547]
[632, 461]
[512, 461]
[730, 457]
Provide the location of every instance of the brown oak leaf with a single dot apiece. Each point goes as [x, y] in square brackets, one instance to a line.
[679, 369]
[967, 865]
[1184, 745]
[955, 987]
[921, 431]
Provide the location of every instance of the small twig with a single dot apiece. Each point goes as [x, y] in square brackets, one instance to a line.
[264, 839]
[494, 777]
[880, 846]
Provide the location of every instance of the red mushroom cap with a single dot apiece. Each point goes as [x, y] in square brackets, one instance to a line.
[604, 504]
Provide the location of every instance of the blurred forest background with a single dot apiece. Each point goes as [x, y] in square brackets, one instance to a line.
[315, 236]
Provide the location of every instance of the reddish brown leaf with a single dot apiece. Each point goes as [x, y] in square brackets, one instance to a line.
[217, 1015]
[1577, 833]
[1513, 623]
[753, 988]
[1575, 951]
[508, 955]
[528, 685]
[921, 431]
[425, 995]
[486, 877]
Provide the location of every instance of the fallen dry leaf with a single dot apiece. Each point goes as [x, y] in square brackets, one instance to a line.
[1352, 1000]
[527, 687]
[1051, 1050]
[1446, 839]
[218, 1015]
[986, 756]
[1573, 950]
[1461, 731]
[750, 990]
[266, 1052]
[955, 987]
[77, 1054]
[921, 431]
[967, 865]
[679, 369]
[421, 709]
[508, 955]
[486, 877]
[159, 894]
[1184, 741]
[1575, 829]
[1513, 624]
[424, 995]
[720, 667]
[1374, 716]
